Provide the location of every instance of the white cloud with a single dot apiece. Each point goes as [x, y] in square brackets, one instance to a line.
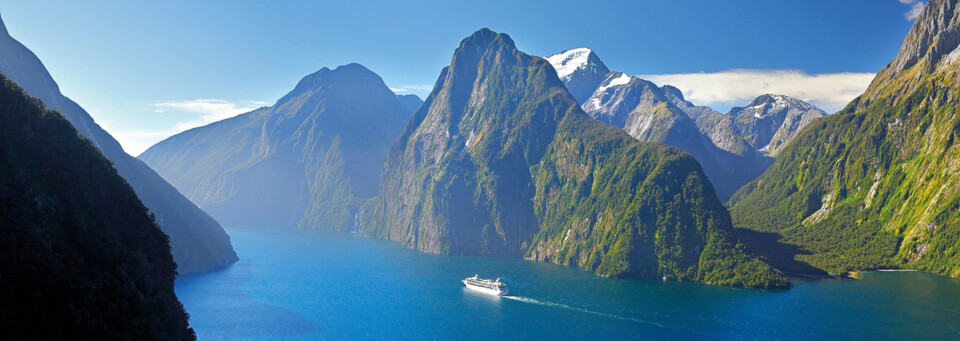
[829, 91]
[916, 7]
[414, 88]
[197, 112]
[135, 142]
[210, 110]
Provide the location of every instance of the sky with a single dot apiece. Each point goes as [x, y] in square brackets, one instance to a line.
[146, 70]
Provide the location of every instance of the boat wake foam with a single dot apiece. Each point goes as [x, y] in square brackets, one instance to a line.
[564, 306]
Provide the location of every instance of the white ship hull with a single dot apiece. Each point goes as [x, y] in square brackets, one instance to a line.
[487, 291]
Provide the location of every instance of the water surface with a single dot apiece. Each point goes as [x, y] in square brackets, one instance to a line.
[294, 284]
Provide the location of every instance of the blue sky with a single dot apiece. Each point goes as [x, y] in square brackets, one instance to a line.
[148, 69]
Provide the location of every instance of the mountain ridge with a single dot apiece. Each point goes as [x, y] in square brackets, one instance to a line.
[81, 254]
[198, 241]
[307, 160]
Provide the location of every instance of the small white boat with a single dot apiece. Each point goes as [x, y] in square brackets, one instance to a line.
[486, 286]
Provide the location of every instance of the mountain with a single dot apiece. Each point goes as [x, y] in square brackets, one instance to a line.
[80, 255]
[876, 185]
[410, 102]
[766, 124]
[307, 160]
[733, 148]
[198, 241]
[501, 161]
[651, 114]
[581, 71]
[676, 98]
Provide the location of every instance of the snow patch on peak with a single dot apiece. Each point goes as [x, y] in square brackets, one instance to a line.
[620, 80]
[764, 105]
[615, 79]
[569, 61]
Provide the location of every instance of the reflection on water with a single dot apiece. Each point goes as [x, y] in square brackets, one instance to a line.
[305, 284]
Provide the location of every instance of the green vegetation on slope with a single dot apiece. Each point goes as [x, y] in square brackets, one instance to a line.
[500, 160]
[874, 186]
[79, 254]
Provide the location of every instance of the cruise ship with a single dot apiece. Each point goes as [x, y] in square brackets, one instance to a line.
[486, 286]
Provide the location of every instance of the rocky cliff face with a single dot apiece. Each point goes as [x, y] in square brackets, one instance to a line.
[308, 160]
[930, 46]
[877, 184]
[81, 255]
[198, 241]
[500, 160]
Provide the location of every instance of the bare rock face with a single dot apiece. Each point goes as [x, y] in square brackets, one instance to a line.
[933, 41]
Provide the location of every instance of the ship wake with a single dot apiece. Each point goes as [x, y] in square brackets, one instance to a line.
[581, 310]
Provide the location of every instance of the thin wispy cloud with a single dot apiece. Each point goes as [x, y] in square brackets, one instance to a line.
[192, 113]
[916, 7]
[831, 91]
[135, 142]
[412, 88]
[209, 110]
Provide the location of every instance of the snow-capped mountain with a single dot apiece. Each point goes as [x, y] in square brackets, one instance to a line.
[770, 105]
[765, 125]
[732, 148]
[648, 113]
[580, 70]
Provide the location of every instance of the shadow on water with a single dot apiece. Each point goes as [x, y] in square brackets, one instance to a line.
[779, 255]
[218, 304]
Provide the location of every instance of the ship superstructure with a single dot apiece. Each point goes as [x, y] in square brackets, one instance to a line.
[487, 286]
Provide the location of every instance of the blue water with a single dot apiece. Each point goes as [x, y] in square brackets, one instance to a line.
[294, 284]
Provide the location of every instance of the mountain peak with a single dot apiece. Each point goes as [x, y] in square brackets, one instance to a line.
[932, 45]
[580, 70]
[582, 60]
[767, 104]
[352, 74]
[483, 38]
[935, 34]
[672, 92]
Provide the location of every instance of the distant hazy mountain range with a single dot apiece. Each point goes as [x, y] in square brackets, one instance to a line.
[876, 185]
[307, 160]
[80, 256]
[198, 241]
[732, 148]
